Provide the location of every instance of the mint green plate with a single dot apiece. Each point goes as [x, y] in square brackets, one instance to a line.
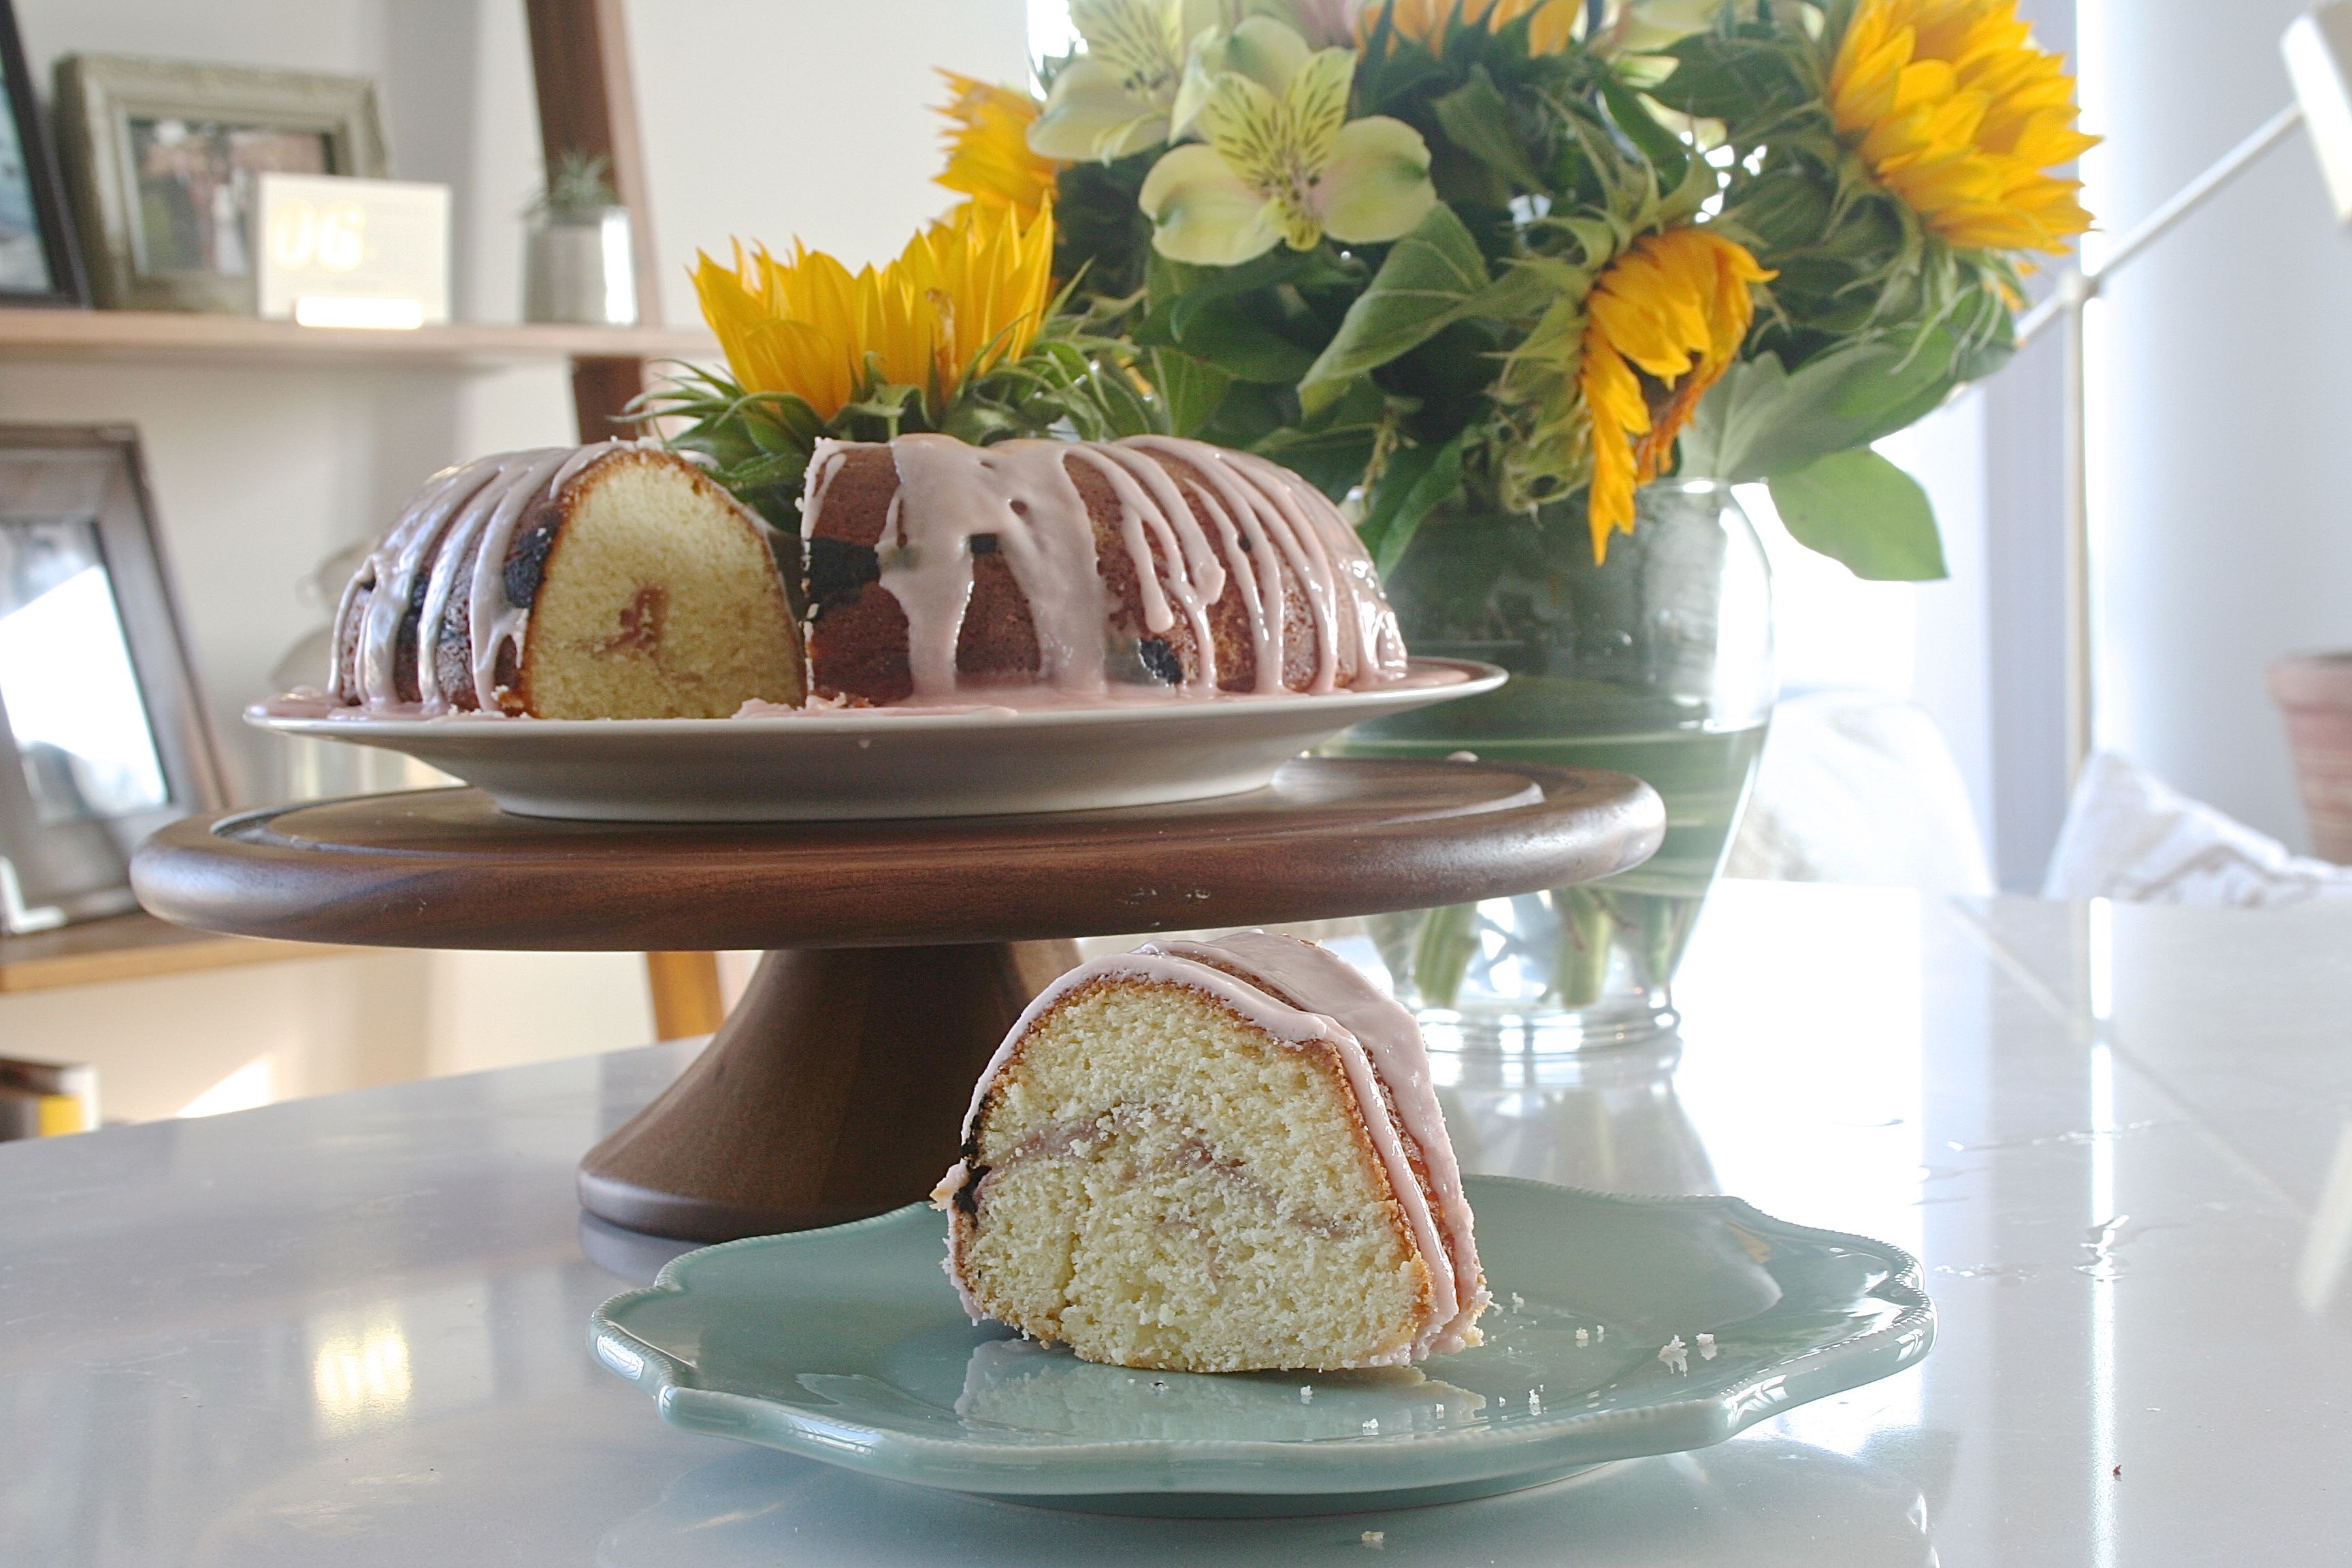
[848, 1345]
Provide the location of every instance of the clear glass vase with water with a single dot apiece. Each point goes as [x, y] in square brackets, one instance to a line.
[1656, 662]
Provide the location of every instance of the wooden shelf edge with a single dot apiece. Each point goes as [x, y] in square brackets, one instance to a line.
[149, 336]
[135, 947]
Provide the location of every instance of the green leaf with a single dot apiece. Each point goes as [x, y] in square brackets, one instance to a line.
[1189, 388]
[1746, 77]
[1760, 420]
[1430, 276]
[1667, 151]
[1858, 508]
[1417, 479]
[1233, 339]
[1477, 118]
[1332, 460]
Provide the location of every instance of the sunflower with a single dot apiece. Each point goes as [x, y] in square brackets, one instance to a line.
[1959, 115]
[1664, 321]
[965, 295]
[989, 157]
[1424, 22]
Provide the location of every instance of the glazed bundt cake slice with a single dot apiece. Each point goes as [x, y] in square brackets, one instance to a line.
[615, 581]
[1144, 565]
[1215, 1157]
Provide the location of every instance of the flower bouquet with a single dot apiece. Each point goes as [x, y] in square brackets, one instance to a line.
[1526, 283]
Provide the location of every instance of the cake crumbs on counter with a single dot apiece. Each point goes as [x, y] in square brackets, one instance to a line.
[1675, 1355]
[1582, 1338]
[1378, 1539]
[1707, 1351]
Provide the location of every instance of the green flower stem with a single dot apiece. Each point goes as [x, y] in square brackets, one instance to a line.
[1440, 959]
[1587, 931]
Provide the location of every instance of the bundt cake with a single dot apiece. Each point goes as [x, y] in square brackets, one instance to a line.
[1082, 568]
[1215, 1157]
[615, 581]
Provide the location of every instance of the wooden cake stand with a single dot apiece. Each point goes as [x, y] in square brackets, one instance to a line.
[902, 952]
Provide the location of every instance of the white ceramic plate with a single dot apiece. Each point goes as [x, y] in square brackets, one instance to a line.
[875, 762]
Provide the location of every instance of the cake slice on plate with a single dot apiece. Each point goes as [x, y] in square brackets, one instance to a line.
[613, 581]
[1215, 1157]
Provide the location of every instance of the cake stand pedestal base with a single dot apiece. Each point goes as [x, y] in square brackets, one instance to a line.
[835, 1089]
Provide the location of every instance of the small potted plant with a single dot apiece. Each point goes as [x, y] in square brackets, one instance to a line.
[576, 255]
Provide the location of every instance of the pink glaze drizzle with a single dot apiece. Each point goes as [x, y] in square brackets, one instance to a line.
[1021, 492]
[1374, 1039]
[472, 509]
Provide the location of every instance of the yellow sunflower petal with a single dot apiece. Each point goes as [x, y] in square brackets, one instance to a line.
[989, 155]
[1959, 115]
[1674, 307]
[963, 296]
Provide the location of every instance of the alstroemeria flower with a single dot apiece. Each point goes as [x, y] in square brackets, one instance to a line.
[1282, 162]
[1116, 98]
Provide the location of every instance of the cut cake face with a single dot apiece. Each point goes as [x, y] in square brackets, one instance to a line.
[1215, 1157]
[613, 581]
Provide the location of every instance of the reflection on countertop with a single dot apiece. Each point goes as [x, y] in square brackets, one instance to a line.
[352, 1329]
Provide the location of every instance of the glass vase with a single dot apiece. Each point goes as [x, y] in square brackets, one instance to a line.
[1657, 663]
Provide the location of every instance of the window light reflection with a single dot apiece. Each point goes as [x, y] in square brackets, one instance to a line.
[358, 1375]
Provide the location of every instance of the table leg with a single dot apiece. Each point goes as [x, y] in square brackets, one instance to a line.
[834, 1090]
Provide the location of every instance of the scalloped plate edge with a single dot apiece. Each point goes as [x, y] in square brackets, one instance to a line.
[1462, 1464]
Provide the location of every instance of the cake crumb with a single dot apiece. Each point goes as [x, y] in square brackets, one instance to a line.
[1675, 1356]
[1306, 1396]
[1582, 1338]
[1601, 1332]
[1371, 1426]
[1535, 1403]
[1518, 1302]
[1378, 1539]
[1706, 1347]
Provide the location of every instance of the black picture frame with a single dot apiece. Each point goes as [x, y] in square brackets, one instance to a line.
[77, 540]
[43, 195]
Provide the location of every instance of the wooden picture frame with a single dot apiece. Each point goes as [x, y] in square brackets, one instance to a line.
[162, 161]
[40, 262]
[102, 732]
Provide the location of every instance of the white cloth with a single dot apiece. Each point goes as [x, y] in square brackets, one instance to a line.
[1860, 786]
[2130, 836]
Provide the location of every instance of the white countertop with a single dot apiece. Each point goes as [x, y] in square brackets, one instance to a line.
[351, 1330]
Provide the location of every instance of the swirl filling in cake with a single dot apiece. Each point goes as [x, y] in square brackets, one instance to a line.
[1215, 1157]
[613, 581]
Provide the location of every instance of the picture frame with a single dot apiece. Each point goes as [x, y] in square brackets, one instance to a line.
[102, 733]
[162, 161]
[40, 264]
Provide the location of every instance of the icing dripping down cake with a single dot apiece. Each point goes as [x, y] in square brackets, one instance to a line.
[614, 580]
[1085, 569]
[1215, 1157]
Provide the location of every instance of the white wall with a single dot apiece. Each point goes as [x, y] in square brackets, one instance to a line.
[1925, 641]
[764, 118]
[2221, 402]
[767, 118]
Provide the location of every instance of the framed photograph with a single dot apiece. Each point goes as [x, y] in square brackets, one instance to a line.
[163, 162]
[38, 262]
[102, 738]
